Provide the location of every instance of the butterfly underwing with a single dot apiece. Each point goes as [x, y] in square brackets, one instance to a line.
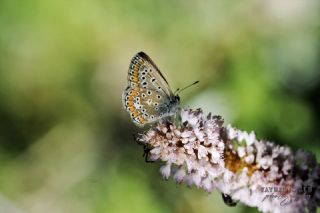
[148, 96]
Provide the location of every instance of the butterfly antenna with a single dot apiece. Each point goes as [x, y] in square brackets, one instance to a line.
[175, 92]
[180, 90]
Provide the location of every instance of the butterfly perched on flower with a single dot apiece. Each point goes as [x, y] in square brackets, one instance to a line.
[148, 97]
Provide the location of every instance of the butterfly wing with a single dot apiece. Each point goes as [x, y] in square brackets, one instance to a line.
[145, 105]
[148, 96]
[130, 101]
[144, 72]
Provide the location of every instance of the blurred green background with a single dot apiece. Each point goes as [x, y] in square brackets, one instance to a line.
[66, 143]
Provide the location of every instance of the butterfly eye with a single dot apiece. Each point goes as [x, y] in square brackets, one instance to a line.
[151, 116]
[143, 78]
[150, 70]
[157, 108]
[143, 95]
[153, 80]
[158, 96]
[156, 104]
[144, 83]
[149, 92]
[144, 110]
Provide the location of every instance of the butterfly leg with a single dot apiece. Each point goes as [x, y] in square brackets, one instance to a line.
[146, 149]
[146, 152]
[137, 138]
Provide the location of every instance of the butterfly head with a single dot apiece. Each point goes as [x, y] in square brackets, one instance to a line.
[176, 99]
[174, 104]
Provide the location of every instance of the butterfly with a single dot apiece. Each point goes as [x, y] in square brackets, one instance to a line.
[148, 96]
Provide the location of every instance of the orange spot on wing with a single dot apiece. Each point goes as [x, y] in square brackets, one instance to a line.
[135, 113]
[135, 79]
[130, 103]
[141, 119]
[135, 92]
[131, 108]
[130, 99]
[135, 75]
